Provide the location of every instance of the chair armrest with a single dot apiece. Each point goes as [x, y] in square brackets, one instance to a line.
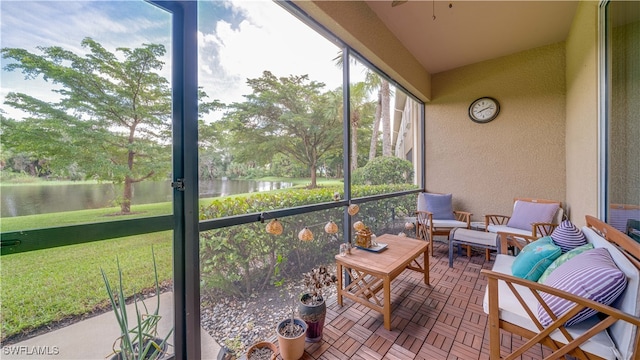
[493, 219]
[424, 220]
[463, 216]
[508, 240]
[542, 229]
[571, 345]
[423, 215]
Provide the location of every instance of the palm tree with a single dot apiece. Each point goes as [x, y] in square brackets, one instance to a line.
[374, 82]
[360, 114]
[358, 108]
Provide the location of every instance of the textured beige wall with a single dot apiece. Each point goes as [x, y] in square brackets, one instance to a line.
[582, 113]
[352, 22]
[519, 154]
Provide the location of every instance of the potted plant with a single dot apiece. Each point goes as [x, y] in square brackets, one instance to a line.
[140, 341]
[312, 307]
[263, 350]
[290, 333]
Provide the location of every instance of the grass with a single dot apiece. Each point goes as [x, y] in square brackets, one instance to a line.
[45, 286]
[66, 281]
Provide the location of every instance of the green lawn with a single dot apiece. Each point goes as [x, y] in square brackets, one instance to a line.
[45, 286]
[42, 286]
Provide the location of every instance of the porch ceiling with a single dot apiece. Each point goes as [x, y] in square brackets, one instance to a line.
[466, 32]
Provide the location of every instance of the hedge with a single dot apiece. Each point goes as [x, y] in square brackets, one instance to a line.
[242, 260]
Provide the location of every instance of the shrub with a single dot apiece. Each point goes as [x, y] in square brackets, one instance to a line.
[243, 260]
[384, 170]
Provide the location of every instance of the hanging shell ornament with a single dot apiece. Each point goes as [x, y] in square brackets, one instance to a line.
[331, 228]
[305, 234]
[353, 209]
[401, 234]
[274, 227]
[359, 226]
[408, 225]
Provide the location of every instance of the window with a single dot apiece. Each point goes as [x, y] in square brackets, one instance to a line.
[383, 120]
[622, 116]
[86, 156]
[276, 91]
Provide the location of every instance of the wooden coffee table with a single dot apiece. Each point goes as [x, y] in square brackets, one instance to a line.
[372, 272]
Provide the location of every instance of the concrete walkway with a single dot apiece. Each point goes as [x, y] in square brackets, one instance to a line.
[93, 338]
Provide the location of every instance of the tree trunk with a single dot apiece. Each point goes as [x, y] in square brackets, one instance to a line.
[386, 119]
[376, 127]
[355, 123]
[313, 184]
[125, 206]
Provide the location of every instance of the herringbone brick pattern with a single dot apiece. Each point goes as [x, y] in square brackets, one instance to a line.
[444, 320]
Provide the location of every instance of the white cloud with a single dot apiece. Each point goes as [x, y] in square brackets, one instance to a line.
[268, 39]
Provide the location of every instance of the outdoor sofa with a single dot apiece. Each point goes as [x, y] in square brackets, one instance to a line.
[532, 309]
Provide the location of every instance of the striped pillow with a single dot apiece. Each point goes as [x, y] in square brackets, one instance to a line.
[592, 275]
[567, 236]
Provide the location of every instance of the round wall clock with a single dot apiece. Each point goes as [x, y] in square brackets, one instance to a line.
[484, 110]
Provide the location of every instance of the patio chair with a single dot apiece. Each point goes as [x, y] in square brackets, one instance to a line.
[620, 214]
[530, 217]
[633, 229]
[435, 217]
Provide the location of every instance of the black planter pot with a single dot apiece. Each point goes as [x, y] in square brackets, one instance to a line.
[314, 316]
[161, 355]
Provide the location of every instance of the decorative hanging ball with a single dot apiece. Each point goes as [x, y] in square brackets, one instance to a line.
[353, 209]
[408, 225]
[305, 234]
[331, 228]
[401, 234]
[358, 225]
[274, 227]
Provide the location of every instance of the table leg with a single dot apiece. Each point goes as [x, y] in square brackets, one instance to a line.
[425, 265]
[340, 274]
[387, 303]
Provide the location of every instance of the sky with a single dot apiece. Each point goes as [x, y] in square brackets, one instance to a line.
[237, 40]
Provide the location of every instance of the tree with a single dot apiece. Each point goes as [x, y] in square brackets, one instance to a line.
[384, 170]
[375, 82]
[113, 119]
[285, 115]
[385, 96]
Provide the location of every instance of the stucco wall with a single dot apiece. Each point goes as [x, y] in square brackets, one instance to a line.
[519, 154]
[582, 113]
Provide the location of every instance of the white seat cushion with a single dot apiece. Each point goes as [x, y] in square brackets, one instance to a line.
[504, 228]
[474, 237]
[449, 223]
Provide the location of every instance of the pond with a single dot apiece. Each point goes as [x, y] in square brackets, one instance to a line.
[20, 200]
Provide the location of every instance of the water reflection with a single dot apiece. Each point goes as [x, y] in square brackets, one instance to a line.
[32, 199]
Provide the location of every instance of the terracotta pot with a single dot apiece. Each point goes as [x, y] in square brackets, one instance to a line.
[313, 316]
[291, 348]
[260, 345]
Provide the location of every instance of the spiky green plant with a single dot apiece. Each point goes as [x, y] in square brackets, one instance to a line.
[141, 341]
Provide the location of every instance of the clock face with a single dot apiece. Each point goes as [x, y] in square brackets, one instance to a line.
[484, 110]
